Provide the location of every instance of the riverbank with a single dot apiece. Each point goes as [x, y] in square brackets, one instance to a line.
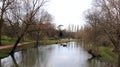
[4, 50]
[105, 54]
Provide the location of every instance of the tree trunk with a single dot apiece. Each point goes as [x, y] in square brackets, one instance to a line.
[1, 24]
[18, 40]
[37, 39]
[119, 60]
[13, 58]
[14, 47]
[0, 34]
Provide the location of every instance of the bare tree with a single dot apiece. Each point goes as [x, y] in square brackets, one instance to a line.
[30, 9]
[3, 8]
[43, 24]
[105, 18]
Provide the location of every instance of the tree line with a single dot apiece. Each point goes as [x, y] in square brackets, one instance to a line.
[27, 19]
[103, 24]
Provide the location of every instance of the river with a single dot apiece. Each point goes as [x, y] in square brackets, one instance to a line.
[55, 55]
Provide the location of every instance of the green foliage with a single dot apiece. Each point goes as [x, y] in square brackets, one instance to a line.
[107, 54]
[4, 52]
[5, 37]
[7, 40]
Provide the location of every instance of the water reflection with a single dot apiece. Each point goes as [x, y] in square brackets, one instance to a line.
[55, 55]
[98, 63]
[14, 60]
[70, 56]
[11, 60]
[0, 63]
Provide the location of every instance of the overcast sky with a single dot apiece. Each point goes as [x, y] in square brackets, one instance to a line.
[67, 12]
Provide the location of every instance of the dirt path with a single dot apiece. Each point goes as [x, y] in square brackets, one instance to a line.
[10, 46]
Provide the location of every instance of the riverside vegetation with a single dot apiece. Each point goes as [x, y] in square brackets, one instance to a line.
[28, 21]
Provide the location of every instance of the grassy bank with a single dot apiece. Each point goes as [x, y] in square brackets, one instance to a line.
[5, 51]
[107, 54]
[7, 40]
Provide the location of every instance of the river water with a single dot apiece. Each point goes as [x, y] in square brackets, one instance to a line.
[55, 55]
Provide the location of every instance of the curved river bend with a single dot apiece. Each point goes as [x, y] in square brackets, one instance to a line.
[55, 55]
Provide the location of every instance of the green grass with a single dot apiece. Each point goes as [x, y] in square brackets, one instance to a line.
[4, 52]
[7, 40]
[107, 54]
